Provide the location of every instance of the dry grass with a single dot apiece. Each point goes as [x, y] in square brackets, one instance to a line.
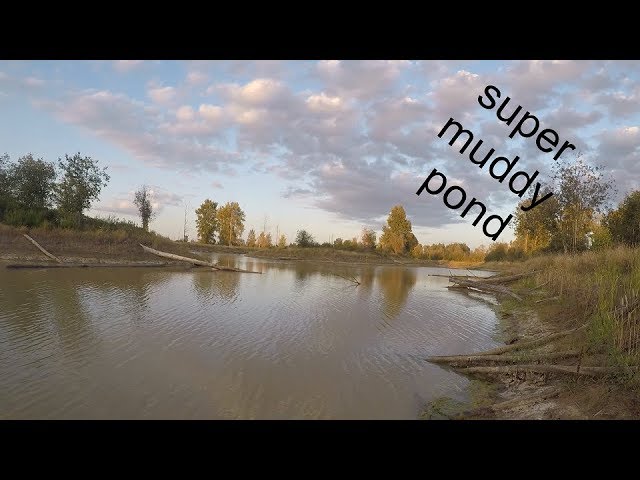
[600, 288]
[328, 254]
[108, 244]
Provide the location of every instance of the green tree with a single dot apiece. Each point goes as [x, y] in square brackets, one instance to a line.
[337, 243]
[624, 222]
[231, 223]
[497, 252]
[602, 237]
[304, 239]
[397, 235]
[4, 174]
[251, 238]
[81, 183]
[537, 228]
[142, 200]
[282, 241]
[582, 191]
[5, 191]
[207, 221]
[31, 182]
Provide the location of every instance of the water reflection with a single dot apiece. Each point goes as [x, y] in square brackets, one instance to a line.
[395, 284]
[297, 341]
[210, 285]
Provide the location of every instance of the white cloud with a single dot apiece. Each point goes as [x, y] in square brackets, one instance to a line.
[185, 113]
[196, 78]
[324, 103]
[34, 82]
[162, 95]
[211, 112]
[361, 133]
[126, 65]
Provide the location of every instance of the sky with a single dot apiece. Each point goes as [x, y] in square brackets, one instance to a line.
[328, 146]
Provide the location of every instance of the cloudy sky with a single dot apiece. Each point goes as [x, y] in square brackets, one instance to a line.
[329, 146]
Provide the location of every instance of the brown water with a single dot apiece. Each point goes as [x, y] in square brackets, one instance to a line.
[295, 342]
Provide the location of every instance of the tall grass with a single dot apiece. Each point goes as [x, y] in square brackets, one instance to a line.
[600, 288]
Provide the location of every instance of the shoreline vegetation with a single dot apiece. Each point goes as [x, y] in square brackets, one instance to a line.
[119, 243]
[572, 342]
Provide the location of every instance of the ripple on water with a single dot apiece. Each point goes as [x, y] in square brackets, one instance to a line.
[295, 342]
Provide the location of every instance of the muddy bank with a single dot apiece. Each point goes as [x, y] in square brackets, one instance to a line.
[523, 387]
[117, 247]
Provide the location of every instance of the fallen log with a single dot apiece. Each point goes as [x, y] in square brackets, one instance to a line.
[505, 279]
[232, 269]
[193, 261]
[545, 368]
[463, 360]
[531, 343]
[463, 277]
[352, 279]
[547, 299]
[41, 248]
[180, 258]
[484, 287]
[85, 265]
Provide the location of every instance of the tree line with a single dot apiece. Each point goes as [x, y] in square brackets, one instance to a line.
[34, 192]
[225, 225]
[579, 216]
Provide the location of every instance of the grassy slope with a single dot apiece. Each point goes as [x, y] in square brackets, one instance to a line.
[587, 288]
[120, 244]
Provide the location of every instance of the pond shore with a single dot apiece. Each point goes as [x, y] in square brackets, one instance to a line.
[120, 247]
[523, 387]
[562, 295]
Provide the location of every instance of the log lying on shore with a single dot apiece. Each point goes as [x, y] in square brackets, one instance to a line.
[193, 261]
[545, 368]
[531, 343]
[484, 287]
[41, 248]
[85, 265]
[180, 258]
[505, 279]
[469, 360]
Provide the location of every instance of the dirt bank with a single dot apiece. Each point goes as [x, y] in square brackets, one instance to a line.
[85, 247]
[521, 392]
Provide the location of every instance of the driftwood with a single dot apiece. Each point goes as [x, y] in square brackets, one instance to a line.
[467, 360]
[547, 299]
[85, 265]
[544, 368]
[180, 258]
[505, 279]
[462, 277]
[531, 343]
[352, 279]
[193, 261]
[484, 287]
[41, 249]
